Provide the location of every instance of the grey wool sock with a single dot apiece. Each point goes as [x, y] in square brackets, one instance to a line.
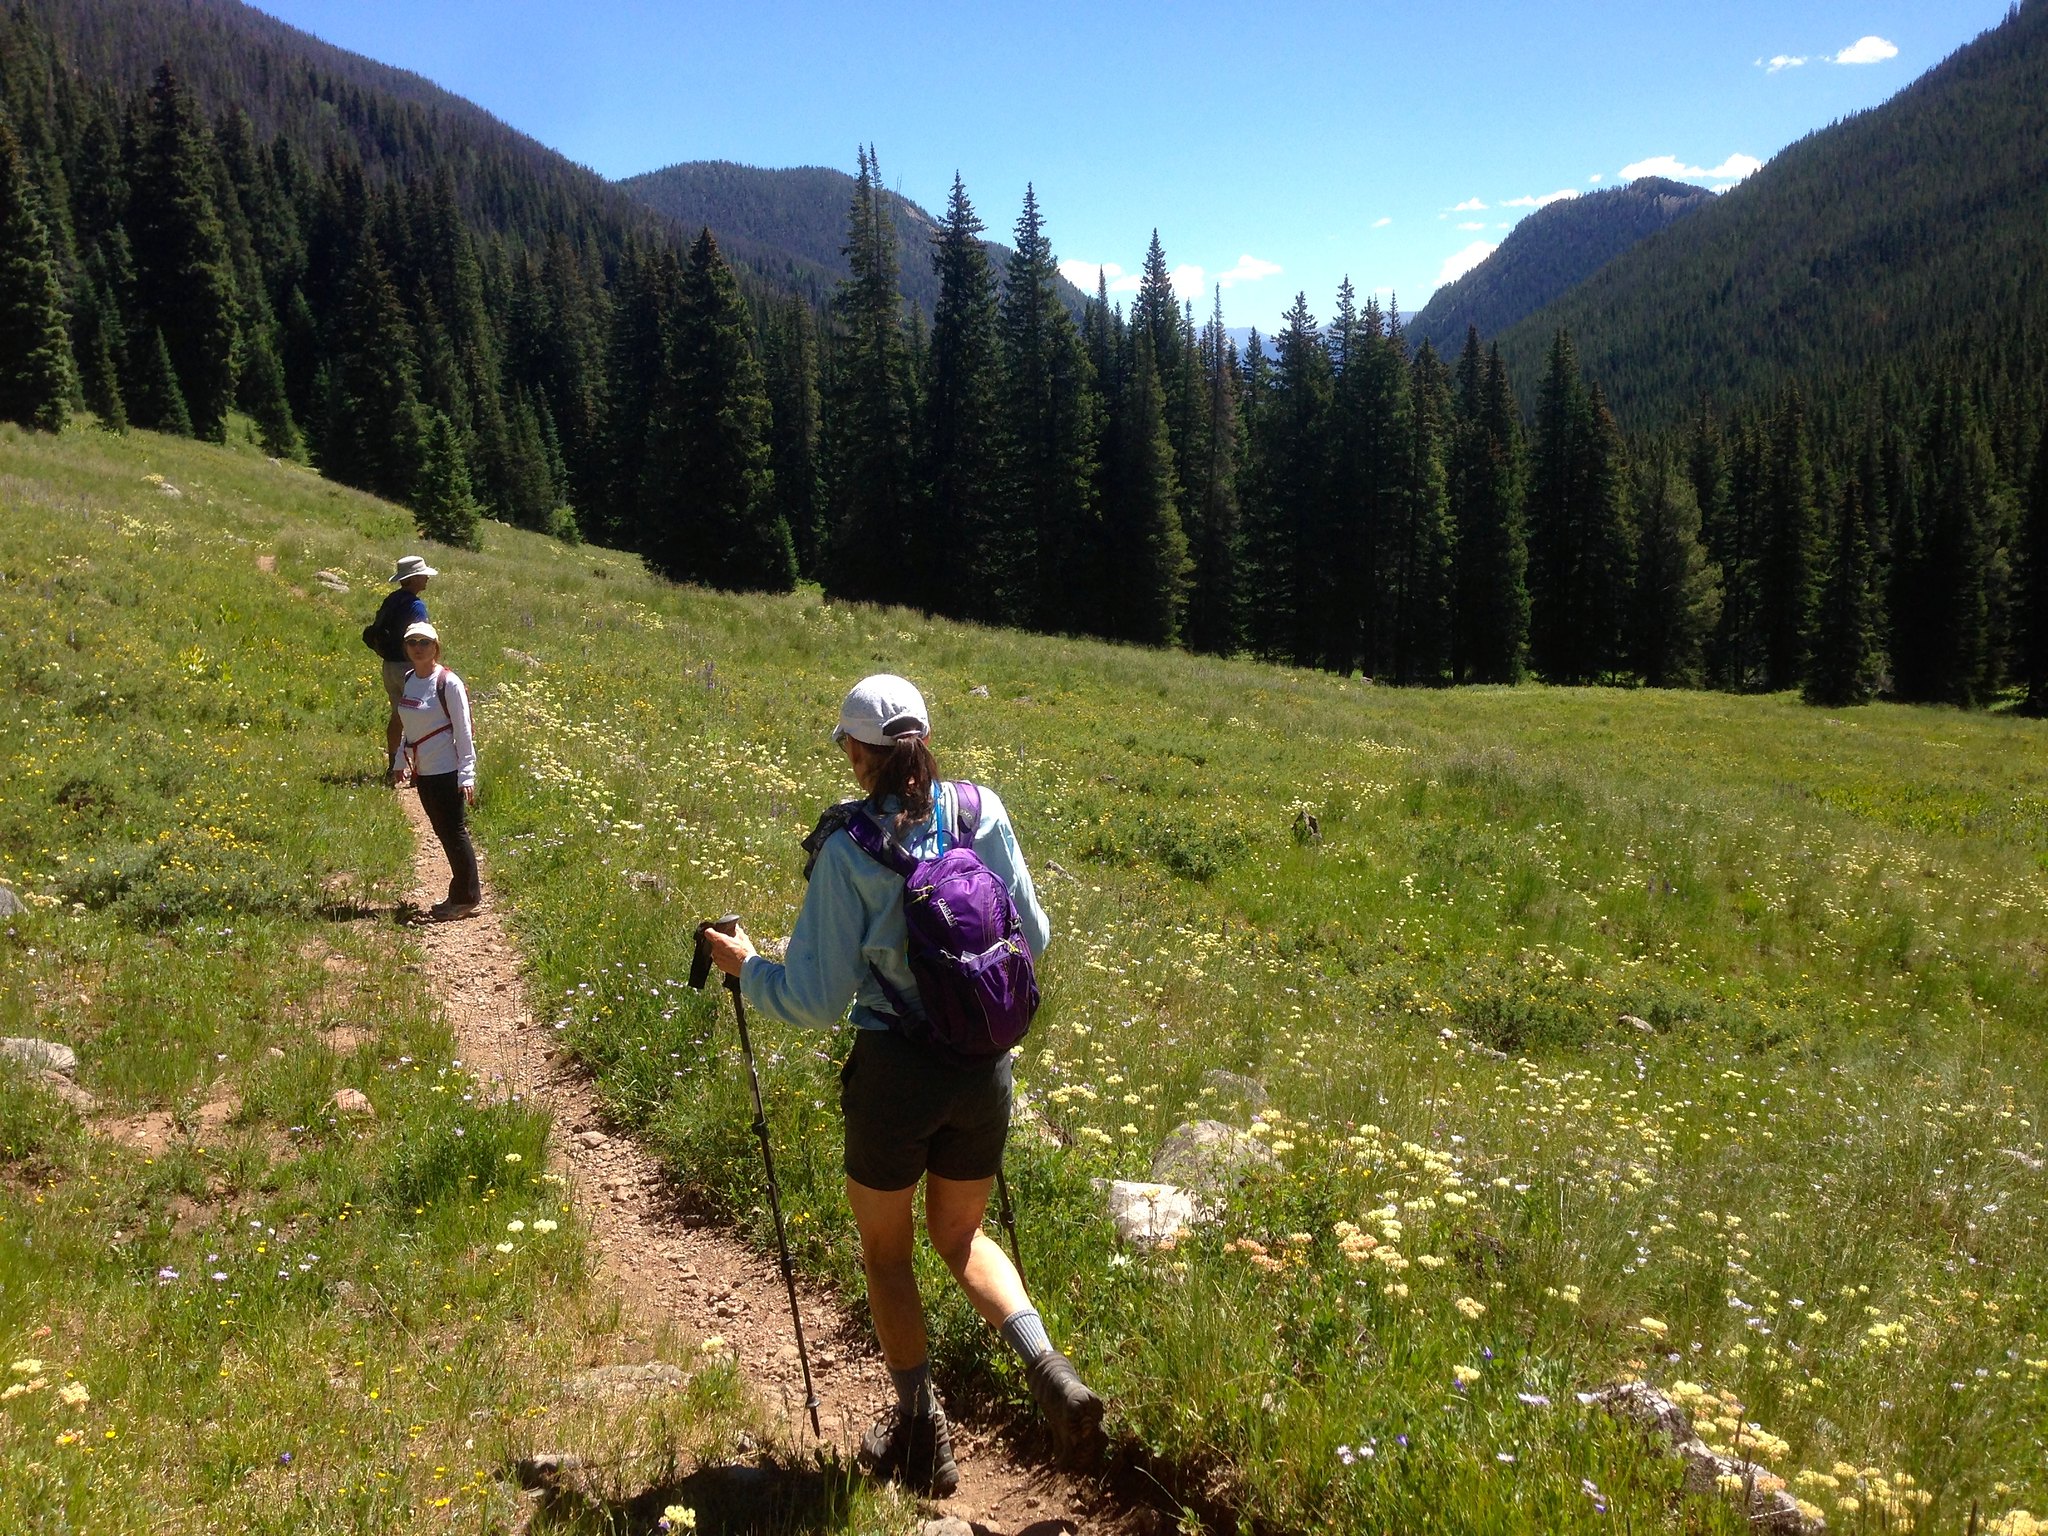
[914, 1390]
[1025, 1333]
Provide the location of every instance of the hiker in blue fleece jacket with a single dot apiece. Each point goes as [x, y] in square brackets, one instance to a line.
[912, 1116]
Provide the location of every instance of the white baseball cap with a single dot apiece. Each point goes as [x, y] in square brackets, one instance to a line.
[881, 710]
[420, 629]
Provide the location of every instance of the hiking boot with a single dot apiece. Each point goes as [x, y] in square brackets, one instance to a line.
[450, 911]
[915, 1450]
[1073, 1412]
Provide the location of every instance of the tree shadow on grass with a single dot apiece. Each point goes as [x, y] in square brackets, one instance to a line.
[729, 1501]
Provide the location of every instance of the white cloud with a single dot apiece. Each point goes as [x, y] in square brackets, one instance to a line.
[1734, 168]
[1458, 263]
[1470, 205]
[1782, 61]
[1544, 201]
[1082, 274]
[1381, 223]
[1473, 224]
[1249, 269]
[1130, 282]
[1867, 50]
[1595, 179]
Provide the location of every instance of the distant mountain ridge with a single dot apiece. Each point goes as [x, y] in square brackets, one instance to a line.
[1548, 253]
[789, 224]
[1901, 238]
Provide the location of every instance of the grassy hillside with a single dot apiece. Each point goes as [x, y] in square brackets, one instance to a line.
[1547, 253]
[226, 1304]
[1606, 1034]
[1893, 239]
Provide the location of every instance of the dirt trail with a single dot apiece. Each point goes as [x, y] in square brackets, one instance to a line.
[668, 1267]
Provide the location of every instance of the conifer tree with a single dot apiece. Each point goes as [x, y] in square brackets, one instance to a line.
[1846, 659]
[642, 319]
[962, 450]
[2033, 615]
[1786, 583]
[95, 333]
[1052, 429]
[1290, 480]
[184, 276]
[530, 487]
[1491, 630]
[444, 506]
[1677, 596]
[789, 364]
[36, 378]
[263, 393]
[1423, 552]
[1147, 546]
[155, 400]
[1159, 313]
[1943, 651]
[876, 554]
[1579, 547]
[372, 436]
[1213, 620]
[709, 491]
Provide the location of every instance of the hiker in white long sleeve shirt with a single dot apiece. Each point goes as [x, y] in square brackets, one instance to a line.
[433, 707]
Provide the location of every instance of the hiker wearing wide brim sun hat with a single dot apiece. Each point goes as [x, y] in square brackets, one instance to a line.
[384, 634]
[914, 1114]
[442, 750]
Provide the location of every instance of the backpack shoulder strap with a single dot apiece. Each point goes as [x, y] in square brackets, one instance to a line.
[966, 812]
[849, 816]
[868, 835]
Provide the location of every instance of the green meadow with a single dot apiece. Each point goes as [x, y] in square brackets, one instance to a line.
[1605, 1035]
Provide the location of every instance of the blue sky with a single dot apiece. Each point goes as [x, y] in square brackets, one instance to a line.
[1276, 145]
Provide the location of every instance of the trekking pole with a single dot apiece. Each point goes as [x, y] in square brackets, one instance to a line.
[1009, 1220]
[699, 969]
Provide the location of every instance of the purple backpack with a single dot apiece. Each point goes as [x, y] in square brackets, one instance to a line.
[967, 949]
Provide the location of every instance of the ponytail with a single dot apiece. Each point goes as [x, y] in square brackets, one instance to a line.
[907, 770]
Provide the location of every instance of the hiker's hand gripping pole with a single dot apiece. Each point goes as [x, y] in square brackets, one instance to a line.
[700, 970]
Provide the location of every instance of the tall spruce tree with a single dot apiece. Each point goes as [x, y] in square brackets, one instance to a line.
[444, 506]
[1677, 597]
[789, 366]
[1490, 634]
[1846, 658]
[1943, 648]
[1052, 433]
[1424, 550]
[1214, 623]
[709, 496]
[157, 402]
[1787, 583]
[1579, 546]
[1291, 476]
[877, 548]
[962, 446]
[1147, 546]
[372, 436]
[2033, 616]
[184, 274]
[36, 378]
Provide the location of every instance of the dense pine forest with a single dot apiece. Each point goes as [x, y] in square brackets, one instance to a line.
[484, 332]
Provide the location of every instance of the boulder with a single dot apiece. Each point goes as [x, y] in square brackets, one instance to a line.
[1147, 1215]
[60, 1087]
[352, 1101]
[1208, 1156]
[1772, 1507]
[947, 1525]
[11, 905]
[42, 1055]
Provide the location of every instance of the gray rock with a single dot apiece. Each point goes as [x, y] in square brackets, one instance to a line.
[352, 1101]
[649, 1379]
[333, 581]
[1207, 1156]
[11, 905]
[1248, 1090]
[1771, 1507]
[1147, 1215]
[949, 1525]
[2026, 1160]
[1028, 1120]
[43, 1055]
[58, 1086]
[979, 690]
[545, 1469]
[592, 1139]
[1639, 1025]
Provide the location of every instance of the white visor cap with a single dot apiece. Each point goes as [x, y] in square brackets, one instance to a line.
[881, 710]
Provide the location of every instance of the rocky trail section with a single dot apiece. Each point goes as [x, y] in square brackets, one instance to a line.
[670, 1269]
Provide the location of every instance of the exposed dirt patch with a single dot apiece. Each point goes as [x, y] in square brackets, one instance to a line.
[669, 1268]
[267, 564]
[151, 1134]
[343, 1039]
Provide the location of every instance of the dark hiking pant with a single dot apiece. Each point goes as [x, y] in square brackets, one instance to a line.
[441, 799]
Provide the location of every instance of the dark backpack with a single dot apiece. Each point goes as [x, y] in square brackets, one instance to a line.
[384, 633]
[967, 950]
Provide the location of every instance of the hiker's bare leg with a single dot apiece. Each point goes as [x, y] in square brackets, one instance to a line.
[887, 1233]
[953, 1213]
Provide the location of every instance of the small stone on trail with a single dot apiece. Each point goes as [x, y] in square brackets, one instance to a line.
[11, 905]
[351, 1101]
[947, 1525]
[46, 1055]
[593, 1139]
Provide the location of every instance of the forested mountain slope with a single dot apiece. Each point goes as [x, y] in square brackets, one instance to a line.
[791, 224]
[1905, 236]
[1550, 251]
